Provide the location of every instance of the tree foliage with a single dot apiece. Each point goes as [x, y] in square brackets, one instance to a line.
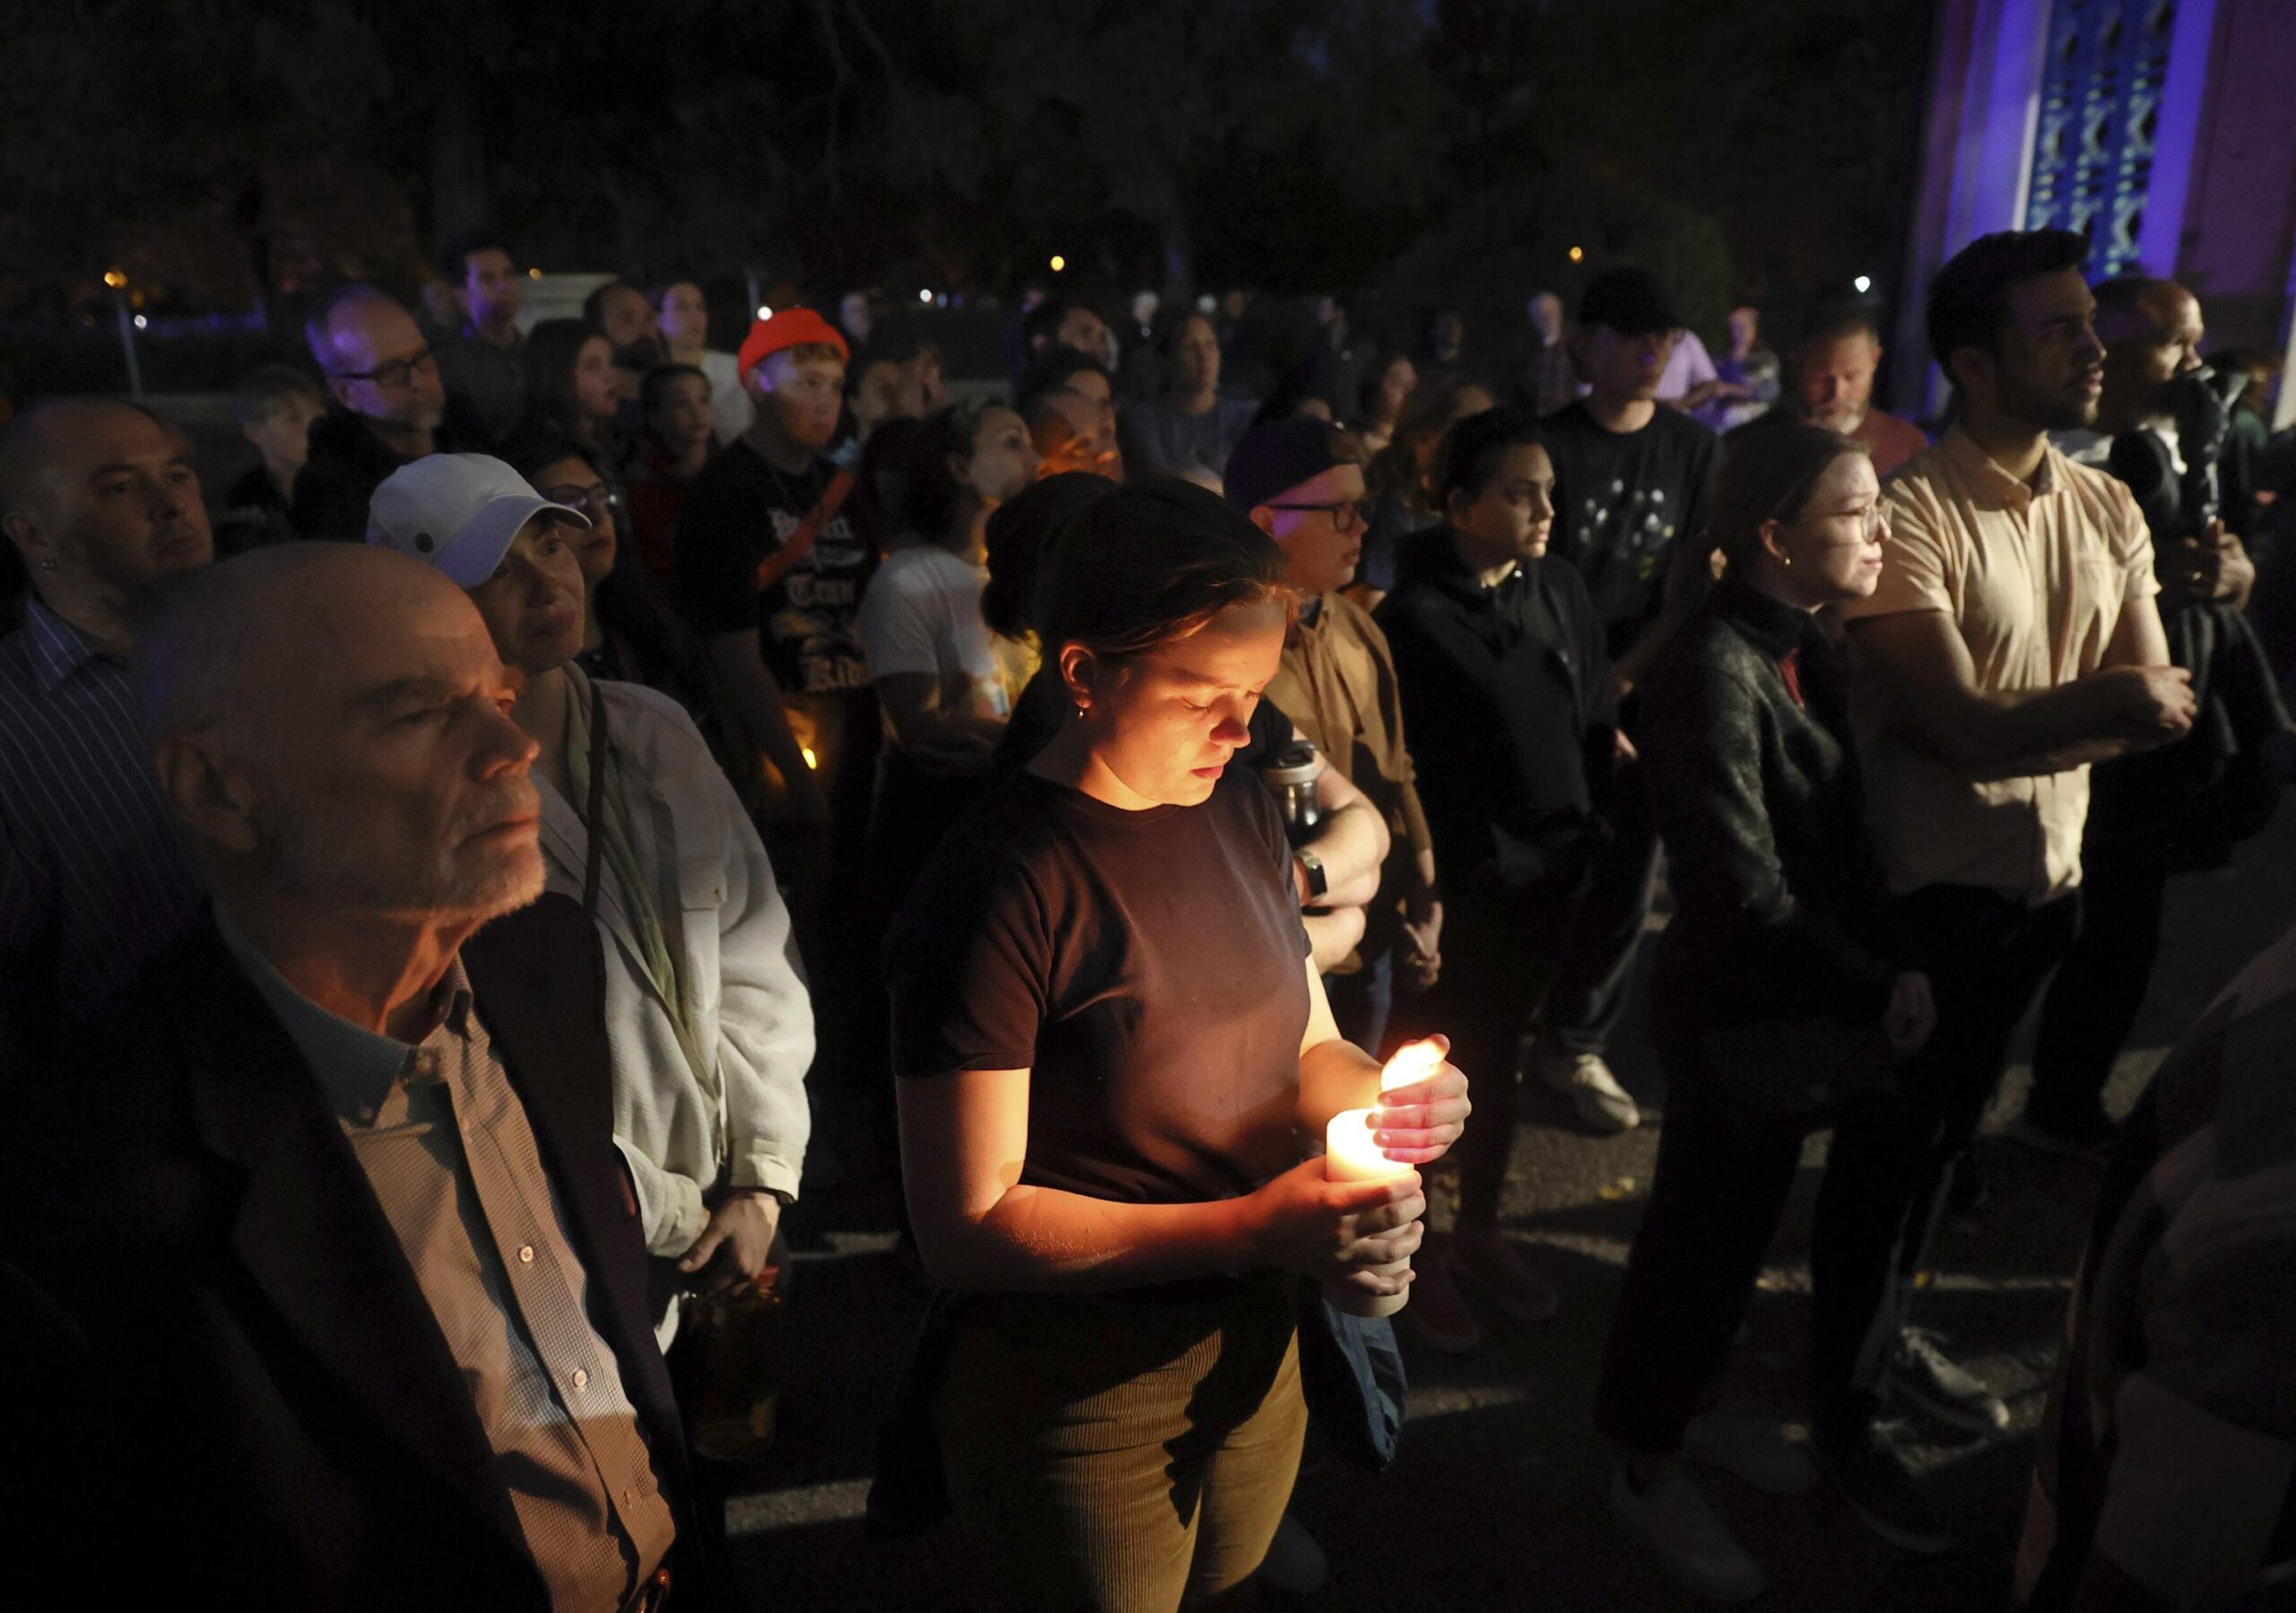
[240, 147]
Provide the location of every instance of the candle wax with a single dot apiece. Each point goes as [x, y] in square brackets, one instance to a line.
[1350, 1156]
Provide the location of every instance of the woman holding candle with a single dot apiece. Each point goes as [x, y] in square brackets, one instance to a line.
[1779, 1009]
[1110, 1044]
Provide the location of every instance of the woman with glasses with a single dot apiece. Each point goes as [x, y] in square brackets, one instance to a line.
[708, 1019]
[1779, 1009]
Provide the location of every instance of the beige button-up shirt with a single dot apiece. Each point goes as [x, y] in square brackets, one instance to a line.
[2035, 578]
[448, 1148]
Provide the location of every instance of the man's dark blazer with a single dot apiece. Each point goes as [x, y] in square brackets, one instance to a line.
[260, 1401]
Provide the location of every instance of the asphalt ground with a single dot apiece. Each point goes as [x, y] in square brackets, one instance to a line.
[1498, 1500]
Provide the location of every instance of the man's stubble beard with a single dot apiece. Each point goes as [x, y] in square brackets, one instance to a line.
[332, 871]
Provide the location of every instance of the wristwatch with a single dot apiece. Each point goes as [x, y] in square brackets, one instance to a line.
[1312, 866]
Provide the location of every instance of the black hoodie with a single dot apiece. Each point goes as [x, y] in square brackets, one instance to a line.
[348, 462]
[1506, 695]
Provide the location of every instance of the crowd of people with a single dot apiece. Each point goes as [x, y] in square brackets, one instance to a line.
[440, 895]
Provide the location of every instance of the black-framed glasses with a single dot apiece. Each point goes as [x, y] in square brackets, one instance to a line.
[1345, 515]
[398, 372]
[596, 499]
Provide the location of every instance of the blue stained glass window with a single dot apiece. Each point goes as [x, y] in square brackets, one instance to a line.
[2107, 62]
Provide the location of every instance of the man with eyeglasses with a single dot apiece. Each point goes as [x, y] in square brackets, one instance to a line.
[384, 378]
[1301, 482]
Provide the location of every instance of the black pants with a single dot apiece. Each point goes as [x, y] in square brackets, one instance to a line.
[1888, 1171]
[2092, 1004]
[1725, 1170]
[1502, 956]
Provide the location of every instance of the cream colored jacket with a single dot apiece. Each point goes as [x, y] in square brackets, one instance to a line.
[748, 1121]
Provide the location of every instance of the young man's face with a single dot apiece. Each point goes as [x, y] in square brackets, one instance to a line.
[491, 289]
[284, 436]
[2152, 346]
[804, 394]
[1836, 380]
[1195, 356]
[1623, 368]
[1084, 330]
[2047, 367]
[1088, 404]
[628, 317]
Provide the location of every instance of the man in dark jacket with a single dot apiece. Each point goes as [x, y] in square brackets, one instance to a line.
[334, 1213]
[383, 373]
[2164, 432]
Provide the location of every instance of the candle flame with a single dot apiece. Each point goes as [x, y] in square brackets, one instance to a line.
[1414, 1061]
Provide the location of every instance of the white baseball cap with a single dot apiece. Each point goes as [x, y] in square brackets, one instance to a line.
[458, 512]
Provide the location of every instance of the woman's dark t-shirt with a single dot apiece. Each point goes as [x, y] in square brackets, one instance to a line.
[1145, 967]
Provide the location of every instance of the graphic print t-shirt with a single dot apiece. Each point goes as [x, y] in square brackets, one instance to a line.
[1620, 500]
[741, 510]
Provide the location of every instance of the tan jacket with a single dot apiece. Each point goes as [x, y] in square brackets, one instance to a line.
[1337, 684]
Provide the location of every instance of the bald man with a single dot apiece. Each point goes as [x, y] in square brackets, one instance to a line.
[101, 505]
[337, 1209]
[390, 402]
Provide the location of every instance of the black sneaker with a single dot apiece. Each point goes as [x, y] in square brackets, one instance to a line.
[1921, 1376]
[1872, 1477]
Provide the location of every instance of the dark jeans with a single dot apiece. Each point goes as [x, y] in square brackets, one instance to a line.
[1501, 955]
[1888, 1171]
[1724, 1169]
[2092, 1004]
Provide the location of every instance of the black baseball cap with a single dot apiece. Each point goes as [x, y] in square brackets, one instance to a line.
[1627, 300]
[1282, 455]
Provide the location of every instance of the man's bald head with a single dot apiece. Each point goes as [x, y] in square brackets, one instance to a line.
[238, 647]
[332, 726]
[375, 358]
[100, 498]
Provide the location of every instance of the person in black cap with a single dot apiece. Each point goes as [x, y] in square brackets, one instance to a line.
[1301, 482]
[1629, 493]
[1108, 1041]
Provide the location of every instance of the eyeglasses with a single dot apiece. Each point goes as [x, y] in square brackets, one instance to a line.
[1873, 524]
[397, 373]
[597, 499]
[1345, 516]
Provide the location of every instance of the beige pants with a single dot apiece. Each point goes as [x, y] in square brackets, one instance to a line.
[1121, 1455]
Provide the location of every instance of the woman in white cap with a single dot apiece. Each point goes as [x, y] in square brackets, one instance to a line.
[706, 1012]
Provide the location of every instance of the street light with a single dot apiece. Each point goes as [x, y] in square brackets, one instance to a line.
[1577, 255]
[1863, 283]
[1058, 263]
[925, 296]
[116, 278]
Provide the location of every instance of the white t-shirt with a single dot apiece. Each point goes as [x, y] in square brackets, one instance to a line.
[730, 409]
[922, 614]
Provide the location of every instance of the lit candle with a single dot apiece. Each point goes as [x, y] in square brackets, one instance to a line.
[1414, 1061]
[1349, 1155]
